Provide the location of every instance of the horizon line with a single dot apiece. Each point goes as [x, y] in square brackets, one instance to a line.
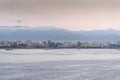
[52, 27]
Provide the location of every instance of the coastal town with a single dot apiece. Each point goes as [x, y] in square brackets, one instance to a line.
[29, 44]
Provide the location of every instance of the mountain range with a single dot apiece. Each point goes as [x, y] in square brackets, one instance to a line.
[52, 33]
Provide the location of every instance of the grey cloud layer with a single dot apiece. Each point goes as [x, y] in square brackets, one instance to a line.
[41, 4]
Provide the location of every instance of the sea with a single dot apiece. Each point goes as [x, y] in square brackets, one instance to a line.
[60, 64]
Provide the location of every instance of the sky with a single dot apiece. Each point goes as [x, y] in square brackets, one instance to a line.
[67, 14]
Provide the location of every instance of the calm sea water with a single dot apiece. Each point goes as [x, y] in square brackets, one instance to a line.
[60, 64]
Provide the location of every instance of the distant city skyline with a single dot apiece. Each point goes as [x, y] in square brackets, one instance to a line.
[68, 14]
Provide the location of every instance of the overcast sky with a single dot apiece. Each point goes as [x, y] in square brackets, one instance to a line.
[68, 14]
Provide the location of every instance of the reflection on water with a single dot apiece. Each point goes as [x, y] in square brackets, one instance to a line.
[64, 64]
[38, 55]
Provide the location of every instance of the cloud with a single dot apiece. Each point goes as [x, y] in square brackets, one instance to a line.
[61, 12]
[40, 5]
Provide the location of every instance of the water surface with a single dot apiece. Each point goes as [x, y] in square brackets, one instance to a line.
[60, 64]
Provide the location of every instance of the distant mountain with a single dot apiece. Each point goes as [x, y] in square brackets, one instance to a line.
[52, 33]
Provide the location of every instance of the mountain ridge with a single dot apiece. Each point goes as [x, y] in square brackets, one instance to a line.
[53, 33]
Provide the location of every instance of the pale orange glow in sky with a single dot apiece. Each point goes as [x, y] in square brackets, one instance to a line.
[68, 14]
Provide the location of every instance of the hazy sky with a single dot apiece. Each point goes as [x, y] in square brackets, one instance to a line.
[68, 14]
